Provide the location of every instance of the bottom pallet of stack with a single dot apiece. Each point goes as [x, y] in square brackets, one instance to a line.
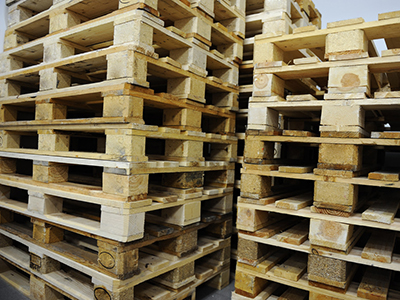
[47, 278]
[313, 277]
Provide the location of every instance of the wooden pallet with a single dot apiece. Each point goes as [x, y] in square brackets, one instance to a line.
[260, 277]
[305, 69]
[53, 271]
[227, 21]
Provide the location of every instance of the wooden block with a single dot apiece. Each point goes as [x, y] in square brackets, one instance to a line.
[43, 264]
[335, 195]
[344, 249]
[266, 85]
[256, 152]
[119, 223]
[248, 285]
[348, 80]
[250, 252]
[190, 150]
[260, 115]
[181, 245]
[306, 97]
[49, 172]
[340, 157]
[384, 176]
[250, 219]
[380, 246]
[183, 215]
[133, 186]
[330, 234]
[329, 271]
[50, 111]
[375, 284]
[187, 88]
[335, 115]
[176, 118]
[255, 186]
[178, 277]
[124, 145]
[295, 202]
[296, 169]
[294, 294]
[221, 230]
[44, 204]
[382, 211]
[124, 106]
[51, 141]
[293, 268]
[296, 235]
[345, 42]
[119, 260]
[46, 233]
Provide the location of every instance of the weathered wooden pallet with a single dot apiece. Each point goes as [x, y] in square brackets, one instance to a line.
[115, 217]
[381, 255]
[67, 60]
[380, 214]
[274, 74]
[259, 280]
[114, 103]
[112, 258]
[228, 20]
[54, 270]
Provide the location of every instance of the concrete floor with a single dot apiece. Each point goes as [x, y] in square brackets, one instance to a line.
[8, 292]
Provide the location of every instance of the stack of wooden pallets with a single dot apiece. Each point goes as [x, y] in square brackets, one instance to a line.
[323, 216]
[270, 18]
[117, 146]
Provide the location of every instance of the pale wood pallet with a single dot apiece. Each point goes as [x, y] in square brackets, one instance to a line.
[42, 22]
[303, 284]
[288, 68]
[91, 283]
[167, 61]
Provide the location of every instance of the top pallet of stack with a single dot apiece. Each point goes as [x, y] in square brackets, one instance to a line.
[277, 17]
[29, 21]
[333, 48]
